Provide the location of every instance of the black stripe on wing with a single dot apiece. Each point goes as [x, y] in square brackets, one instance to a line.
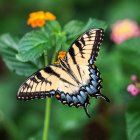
[35, 79]
[71, 52]
[27, 92]
[96, 46]
[81, 41]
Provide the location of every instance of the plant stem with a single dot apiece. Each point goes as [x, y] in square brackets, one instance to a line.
[47, 119]
[45, 58]
[47, 108]
[54, 57]
[48, 103]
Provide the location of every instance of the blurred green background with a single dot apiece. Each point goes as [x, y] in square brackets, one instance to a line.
[114, 121]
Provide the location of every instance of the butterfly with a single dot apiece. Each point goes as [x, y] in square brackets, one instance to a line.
[74, 80]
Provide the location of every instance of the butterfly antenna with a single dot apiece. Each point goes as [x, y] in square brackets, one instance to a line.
[86, 110]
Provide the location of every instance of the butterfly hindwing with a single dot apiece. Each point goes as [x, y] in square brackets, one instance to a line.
[74, 94]
[90, 86]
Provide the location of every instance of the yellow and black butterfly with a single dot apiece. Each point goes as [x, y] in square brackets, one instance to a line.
[72, 81]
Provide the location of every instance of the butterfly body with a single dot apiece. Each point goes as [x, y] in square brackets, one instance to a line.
[74, 80]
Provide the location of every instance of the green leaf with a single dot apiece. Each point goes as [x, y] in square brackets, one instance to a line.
[53, 26]
[76, 27]
[8, 51]
[60, 41]
[133, 119]
[94, 23]
[57, 39]
[32, 45]
[7, 40]
[56, 35]
[73, 27]
[21, 68]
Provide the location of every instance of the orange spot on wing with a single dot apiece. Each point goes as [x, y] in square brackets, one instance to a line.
[57, 96]
[93, 66]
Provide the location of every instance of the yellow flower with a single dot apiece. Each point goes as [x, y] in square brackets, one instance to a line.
[38, 19]
[61, 55]
[49, 16]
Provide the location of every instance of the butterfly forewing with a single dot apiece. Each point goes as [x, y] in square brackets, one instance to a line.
[41, 84]
[85, 48]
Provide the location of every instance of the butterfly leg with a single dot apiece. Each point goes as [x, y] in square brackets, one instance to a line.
[86, 110]
[102, 96]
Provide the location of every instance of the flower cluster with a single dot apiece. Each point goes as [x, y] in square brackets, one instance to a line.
[123, 30]
[38, 19]
[60, 55]
[134, 88]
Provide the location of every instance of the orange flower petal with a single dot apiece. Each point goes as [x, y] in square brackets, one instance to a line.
[40, 23]
[34, 24]
[37, 19]
[49, 16]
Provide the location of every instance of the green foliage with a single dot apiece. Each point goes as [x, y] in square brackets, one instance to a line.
[8, 50]
[9, 106]
[74, 28]
[132, 119]
[95, 23]
[113, 84]
[129, 54]
[32, 45]
[129, 59]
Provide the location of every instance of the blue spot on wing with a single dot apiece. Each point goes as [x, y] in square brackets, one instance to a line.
[93, 88]
[89, 90]
[94, 83]
[92, 71]
[83, 95]
[82, 100]
[91, 61]
[52, 92]
[94, 77]
[75, 100]
[69, 99]
[63, 97]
